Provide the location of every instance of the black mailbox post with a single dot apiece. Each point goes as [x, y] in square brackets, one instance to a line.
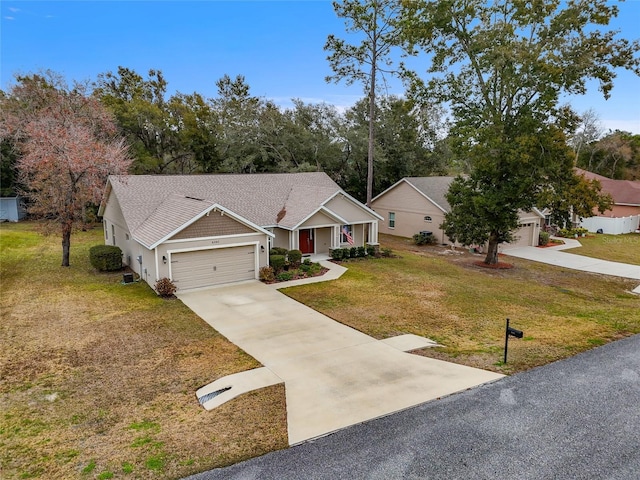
[510, 332]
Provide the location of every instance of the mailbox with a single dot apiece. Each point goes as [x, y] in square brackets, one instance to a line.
[514, 333]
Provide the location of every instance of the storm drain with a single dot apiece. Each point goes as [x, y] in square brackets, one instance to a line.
[205, 398]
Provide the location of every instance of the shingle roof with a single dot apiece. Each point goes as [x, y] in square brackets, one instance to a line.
[623, 192]
[152, 204]
[433, 187]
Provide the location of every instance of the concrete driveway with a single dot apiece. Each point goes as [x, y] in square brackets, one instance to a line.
[556, 256]
[334, 376]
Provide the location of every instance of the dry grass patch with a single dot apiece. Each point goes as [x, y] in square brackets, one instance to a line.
[99, 378]
[444, 296]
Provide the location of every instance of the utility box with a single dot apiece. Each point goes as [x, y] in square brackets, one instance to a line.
[127, 278]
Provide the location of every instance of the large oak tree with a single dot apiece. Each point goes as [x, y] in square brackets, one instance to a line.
[502, 67]
[67, 145]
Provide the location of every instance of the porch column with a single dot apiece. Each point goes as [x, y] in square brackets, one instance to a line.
[373, 233]
[335, 236]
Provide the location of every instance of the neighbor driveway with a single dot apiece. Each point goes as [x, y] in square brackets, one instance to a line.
[334, 376]
[555, 256]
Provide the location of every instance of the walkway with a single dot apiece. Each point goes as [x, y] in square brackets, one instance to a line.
[555, 256]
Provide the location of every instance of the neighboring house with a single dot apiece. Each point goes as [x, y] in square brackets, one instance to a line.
[624, 214]
[625, 194]
[202, 230]
[417, 204]
[12, 209]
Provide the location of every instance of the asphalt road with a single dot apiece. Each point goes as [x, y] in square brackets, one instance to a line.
[574, 419]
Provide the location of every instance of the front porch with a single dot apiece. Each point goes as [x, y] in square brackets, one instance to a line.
[321, 240]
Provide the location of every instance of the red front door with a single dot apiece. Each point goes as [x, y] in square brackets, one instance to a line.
[306, 241]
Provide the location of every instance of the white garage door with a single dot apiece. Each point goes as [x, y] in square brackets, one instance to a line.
[523, 236]
[204, 268]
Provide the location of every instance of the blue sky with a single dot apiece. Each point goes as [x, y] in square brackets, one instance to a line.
[276, 45]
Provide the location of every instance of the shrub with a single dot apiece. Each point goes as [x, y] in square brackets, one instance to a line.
[371, 250]
[337, 254]
[307, 261]
[353, 252]
[284, 276]
[386, 252]
[361, 251]
[278, 251]
[543, 238]
[295, 257]
[305, 267]
[314, 269]
[267, 274]
[277, 262]
[422, 239]
[165, 287]
[105, 258]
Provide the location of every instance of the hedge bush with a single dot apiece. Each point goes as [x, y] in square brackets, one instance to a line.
[267, 274]
[421, 239]
[362, 252]
[353, 252]
[284, 276]
[543, 238]
[165, 287]
[371, 250]
[278, 251]
[337, 254]
[277, 262]
[295, 257]
[105, 258]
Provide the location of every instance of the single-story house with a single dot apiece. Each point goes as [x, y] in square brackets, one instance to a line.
[625, 194]
[624, 214]
[12, 209]
[417, 204]
[203, 230]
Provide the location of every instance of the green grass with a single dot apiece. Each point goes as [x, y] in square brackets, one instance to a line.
[98, 378]
[615, 248]
[464, 307]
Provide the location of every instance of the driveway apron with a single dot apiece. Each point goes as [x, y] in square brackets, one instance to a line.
[334, 376]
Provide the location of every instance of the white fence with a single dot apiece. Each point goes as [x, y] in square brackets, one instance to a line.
[615, 226]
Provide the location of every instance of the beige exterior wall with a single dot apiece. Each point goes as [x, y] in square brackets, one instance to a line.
[322, 239]
[213, 225]
[318, 220]
[410, 208]
[346, 209]
[620, 211]
[281, 238]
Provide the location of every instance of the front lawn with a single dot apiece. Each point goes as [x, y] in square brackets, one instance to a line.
[98, 379]
[616, 248]
[444, 296]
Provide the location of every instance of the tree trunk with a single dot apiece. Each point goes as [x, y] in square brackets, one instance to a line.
[492, 250]
[66, 243]
[372, 116]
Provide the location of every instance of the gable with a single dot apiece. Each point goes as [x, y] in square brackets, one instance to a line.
[351, 210]
[404, 197]
[318, 219]
[214, 224]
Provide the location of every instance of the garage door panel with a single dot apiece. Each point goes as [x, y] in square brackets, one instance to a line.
[204, 268]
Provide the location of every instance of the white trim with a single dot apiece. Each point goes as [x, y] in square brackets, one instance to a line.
[355, 202]
[322, 209]
[415, 188]
[199, 239]
[217, 247]
[211, 208]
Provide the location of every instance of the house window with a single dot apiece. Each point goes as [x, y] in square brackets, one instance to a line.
[392, 220]
[106, 231]
[347, 234]
[427, 218]
[113, 234]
